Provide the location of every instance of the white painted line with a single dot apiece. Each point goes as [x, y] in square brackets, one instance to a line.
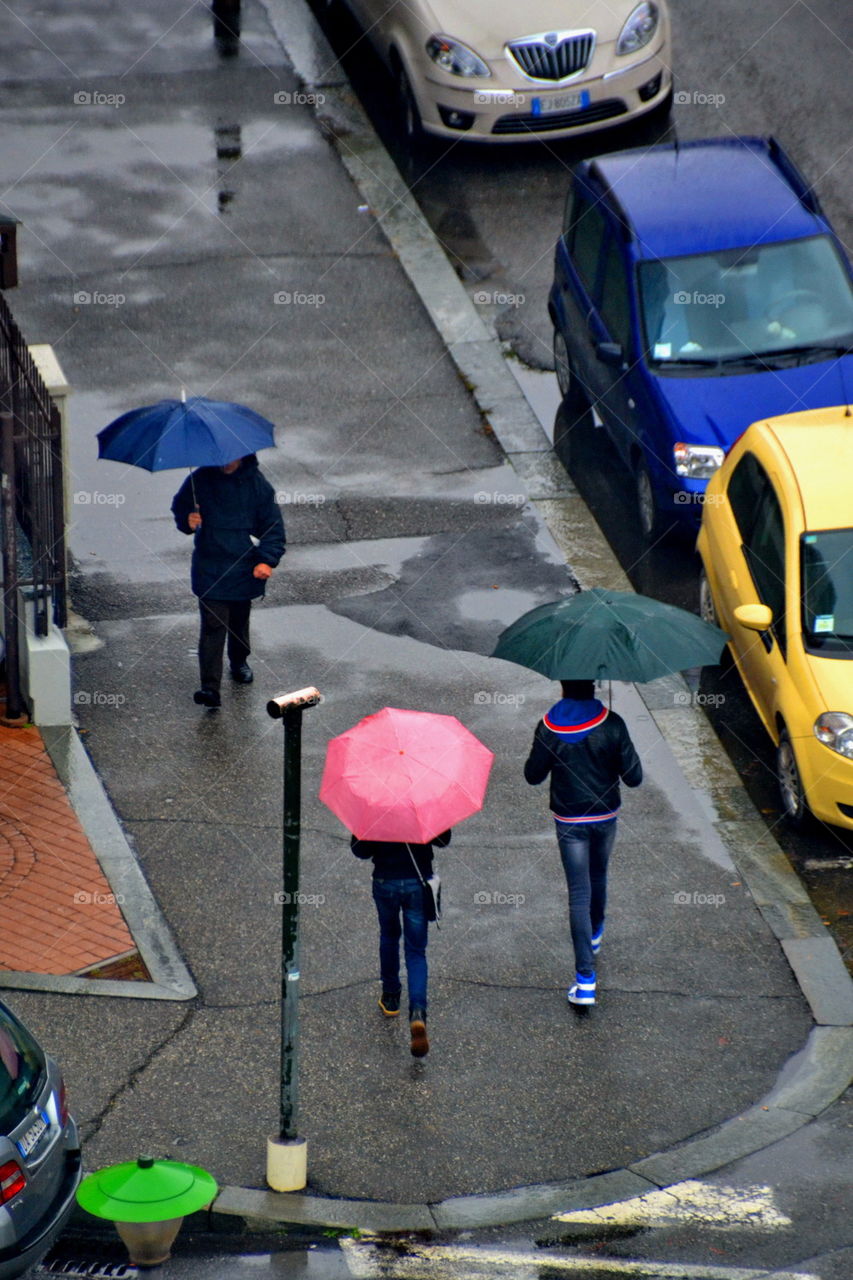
[367, 1261]
[701, 1203]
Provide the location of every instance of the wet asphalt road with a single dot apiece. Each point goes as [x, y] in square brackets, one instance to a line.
[781, 1213]
[497, 209]
[386, 475]
[822, 1211]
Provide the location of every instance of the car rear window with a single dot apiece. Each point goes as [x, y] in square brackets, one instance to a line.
[21, 1068]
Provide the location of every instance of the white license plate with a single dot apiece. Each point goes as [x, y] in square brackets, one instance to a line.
[31, 1137]
[573, 101]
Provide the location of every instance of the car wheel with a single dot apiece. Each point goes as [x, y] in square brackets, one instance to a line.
[794, 807]
[649, 516]
[409, 113]
[574, 413]
[563, 365]
[707, 612]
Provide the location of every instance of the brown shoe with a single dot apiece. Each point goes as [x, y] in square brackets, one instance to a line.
[417, 1028]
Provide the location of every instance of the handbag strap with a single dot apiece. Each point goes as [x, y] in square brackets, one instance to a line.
[415, 865]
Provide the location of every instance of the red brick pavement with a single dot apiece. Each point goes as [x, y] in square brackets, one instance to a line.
[58, 914]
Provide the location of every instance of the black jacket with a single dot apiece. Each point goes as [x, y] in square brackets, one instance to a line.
[587, 750]
[391, 857]
[234, 508]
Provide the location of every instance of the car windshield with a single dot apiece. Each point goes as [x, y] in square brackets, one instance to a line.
[827, 591]
[21, 1066]
[742, 305]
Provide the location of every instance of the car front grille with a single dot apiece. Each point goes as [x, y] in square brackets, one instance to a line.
[529, 123]
[554, 56]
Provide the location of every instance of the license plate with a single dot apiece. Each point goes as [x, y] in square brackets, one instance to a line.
[31, 1137]
[574, 101]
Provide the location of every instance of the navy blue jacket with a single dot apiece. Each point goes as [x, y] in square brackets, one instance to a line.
[587, 750]
[234, 508]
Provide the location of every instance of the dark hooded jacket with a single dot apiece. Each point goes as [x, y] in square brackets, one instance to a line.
[587, 750]
[234, 509]
[392, 859]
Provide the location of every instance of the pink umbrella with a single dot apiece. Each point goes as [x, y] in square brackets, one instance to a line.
[405, 775]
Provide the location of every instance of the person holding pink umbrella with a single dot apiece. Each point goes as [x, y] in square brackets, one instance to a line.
[399, 780]
[399, 872]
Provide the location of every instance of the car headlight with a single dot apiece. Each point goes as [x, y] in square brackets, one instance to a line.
[835, 730]
[639, 29]
[456, 58]
[699, 461]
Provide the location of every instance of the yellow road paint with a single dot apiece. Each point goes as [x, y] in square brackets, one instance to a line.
[698, 1203]
[407, 1261]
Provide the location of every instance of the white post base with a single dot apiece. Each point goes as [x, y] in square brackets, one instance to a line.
[287, 1164]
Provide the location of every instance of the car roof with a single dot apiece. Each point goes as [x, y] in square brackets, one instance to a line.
[707, 195]
[818, 446]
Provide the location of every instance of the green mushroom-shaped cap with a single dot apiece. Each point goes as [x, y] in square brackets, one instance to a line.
[146, 1190]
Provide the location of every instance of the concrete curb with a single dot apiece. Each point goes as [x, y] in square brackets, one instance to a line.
[171, 978]
[820, 1072]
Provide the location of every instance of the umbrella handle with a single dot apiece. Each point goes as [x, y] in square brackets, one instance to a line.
[192, 486]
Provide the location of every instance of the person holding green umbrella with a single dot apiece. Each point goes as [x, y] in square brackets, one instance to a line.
[587, 750]
[598, 634]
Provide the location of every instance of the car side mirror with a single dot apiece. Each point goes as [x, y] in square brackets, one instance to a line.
[609, 353]
[755, 617]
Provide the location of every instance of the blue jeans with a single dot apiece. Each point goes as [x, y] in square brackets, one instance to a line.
[393, 897]
[585, 849]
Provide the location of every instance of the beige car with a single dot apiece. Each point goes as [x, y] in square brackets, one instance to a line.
[498, 70]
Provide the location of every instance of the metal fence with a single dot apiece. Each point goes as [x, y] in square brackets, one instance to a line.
[32, 494]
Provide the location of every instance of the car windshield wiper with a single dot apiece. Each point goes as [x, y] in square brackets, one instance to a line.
[698, 362]
[808, 349]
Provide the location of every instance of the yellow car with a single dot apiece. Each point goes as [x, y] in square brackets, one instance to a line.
[776, 544]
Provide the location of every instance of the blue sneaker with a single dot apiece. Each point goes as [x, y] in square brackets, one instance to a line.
[583, 991]
[596, 940]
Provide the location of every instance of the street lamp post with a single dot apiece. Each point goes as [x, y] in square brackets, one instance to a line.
[287, 1155]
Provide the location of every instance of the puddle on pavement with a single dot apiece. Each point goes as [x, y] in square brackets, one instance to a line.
[496, 604]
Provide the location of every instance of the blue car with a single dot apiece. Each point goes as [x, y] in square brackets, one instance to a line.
[697, 287]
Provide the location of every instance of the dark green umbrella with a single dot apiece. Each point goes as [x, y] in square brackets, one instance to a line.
[610, 635]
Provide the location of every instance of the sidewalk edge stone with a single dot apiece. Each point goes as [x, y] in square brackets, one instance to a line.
[321, 1211]
[151, 933]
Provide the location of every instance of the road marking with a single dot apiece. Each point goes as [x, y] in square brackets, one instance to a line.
[367, 1261]
[700, 1203]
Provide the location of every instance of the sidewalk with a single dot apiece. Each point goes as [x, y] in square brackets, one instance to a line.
[725, 1013]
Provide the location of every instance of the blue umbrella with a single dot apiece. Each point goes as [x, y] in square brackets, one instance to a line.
[179, 433]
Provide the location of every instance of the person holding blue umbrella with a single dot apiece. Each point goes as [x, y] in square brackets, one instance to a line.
[239, 539]
[227, 504]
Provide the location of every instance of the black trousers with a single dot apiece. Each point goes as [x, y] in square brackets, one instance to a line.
[222, 620]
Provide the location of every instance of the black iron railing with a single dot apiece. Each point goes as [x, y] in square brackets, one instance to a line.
[32, 492]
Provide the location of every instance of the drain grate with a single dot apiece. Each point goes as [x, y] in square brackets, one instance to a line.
[93, 1263]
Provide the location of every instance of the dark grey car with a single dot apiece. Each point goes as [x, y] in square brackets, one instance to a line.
[40, 1166]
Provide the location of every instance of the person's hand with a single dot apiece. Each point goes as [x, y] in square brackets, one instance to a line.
[262, 571]
[194, 520]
